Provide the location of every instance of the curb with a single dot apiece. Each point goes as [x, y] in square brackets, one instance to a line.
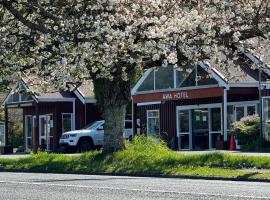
[242, 179]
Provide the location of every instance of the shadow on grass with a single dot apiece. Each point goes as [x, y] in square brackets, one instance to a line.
[247, 176]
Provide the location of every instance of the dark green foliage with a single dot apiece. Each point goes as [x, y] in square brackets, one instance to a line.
[17, 134]
[248, 132]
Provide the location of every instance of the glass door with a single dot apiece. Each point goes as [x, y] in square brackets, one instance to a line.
[215, 127]
[184, 130]
[2, 134]
[46, 132]
[29, 132]
[266, 118]
[200, 129]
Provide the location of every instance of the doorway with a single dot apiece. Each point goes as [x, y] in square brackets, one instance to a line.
[199, 127]
[46, 132]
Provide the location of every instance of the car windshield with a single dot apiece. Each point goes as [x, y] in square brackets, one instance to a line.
[93, 125]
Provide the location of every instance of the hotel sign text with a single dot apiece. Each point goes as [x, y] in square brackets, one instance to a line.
[175, 96]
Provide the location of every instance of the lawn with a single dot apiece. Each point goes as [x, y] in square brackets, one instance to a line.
[146, 156]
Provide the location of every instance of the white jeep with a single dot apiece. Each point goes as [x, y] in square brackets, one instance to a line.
[90, 137]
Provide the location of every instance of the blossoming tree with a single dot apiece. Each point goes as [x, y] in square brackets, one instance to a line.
[109, 41]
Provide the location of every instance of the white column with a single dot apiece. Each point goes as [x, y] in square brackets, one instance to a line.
[73, 115]
[225, 134]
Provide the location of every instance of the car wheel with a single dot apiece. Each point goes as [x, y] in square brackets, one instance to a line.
[85, 145]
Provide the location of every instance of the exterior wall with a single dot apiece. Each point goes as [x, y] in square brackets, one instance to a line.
[243, 94]
[168, 129]
[167, 108]
[55, 108]
[84, 114]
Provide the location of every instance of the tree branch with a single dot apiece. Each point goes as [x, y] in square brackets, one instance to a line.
[22, 19]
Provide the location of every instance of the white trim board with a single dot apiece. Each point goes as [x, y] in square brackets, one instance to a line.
[56, 99]
[149, 103]
[187, 107]
[142, 79]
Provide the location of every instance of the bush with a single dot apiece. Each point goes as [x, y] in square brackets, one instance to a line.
[247, 130]
[17, 135]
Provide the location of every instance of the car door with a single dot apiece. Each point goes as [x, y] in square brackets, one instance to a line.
[128, 129]
[100, 134]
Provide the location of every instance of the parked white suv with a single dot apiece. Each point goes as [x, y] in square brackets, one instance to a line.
[90, 137]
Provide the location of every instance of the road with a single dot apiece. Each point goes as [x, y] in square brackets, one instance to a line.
[31, 186]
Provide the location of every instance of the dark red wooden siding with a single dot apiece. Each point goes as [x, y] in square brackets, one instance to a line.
[84, 114]
[168, 122]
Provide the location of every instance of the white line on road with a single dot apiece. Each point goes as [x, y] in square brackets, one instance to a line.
[131, 189]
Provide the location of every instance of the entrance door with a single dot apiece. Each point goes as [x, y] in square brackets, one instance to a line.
[45, 132]
[200, 129]
[29, 132]
[266, 118]
[2, 134]
[184, 130]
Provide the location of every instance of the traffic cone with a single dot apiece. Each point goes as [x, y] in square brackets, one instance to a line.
[232, 143]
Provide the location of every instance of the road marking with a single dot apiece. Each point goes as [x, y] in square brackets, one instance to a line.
[132, 189]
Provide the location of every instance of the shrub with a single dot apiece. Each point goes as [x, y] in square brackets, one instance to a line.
[247, 130]
[17, 134]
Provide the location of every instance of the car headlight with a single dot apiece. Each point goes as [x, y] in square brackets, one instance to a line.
[72, 135]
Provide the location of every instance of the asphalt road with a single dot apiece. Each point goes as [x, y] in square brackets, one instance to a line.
[30, 186]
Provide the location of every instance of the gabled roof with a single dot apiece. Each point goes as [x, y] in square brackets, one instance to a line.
[84, 92]
[240, 72]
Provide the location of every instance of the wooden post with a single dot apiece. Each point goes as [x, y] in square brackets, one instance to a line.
[6, 126]
[36, 130]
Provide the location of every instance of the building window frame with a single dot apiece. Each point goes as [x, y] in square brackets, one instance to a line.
[71, 121]
[157, 120]
[245, 105]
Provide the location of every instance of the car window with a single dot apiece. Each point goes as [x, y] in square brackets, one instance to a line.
[101, 127]
[93, 125]
[128, 125]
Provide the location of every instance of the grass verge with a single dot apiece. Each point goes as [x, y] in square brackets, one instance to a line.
[146, 156]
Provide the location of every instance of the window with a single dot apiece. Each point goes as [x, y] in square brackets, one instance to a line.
[169, 77]
[215, 119]
[148, 83]
[29, 131]
[2, 134]
[164, 78]
[153, 123]
[66, 122]
[197, 77]
[230, 117]
[26, 97]
[251, 110]
[238, 111]
[128, 125]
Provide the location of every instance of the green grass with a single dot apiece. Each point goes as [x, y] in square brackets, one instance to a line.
[146, 156]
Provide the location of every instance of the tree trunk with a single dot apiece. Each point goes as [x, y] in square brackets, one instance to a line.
[114, 128]
[112, 99]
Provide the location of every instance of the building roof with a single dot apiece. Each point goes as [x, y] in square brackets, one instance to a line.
[242, 70]
[85, 88]
[84, 91]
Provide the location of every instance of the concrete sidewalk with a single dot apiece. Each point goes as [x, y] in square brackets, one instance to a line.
[226, 152]
[183, 152]
[13, 156]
